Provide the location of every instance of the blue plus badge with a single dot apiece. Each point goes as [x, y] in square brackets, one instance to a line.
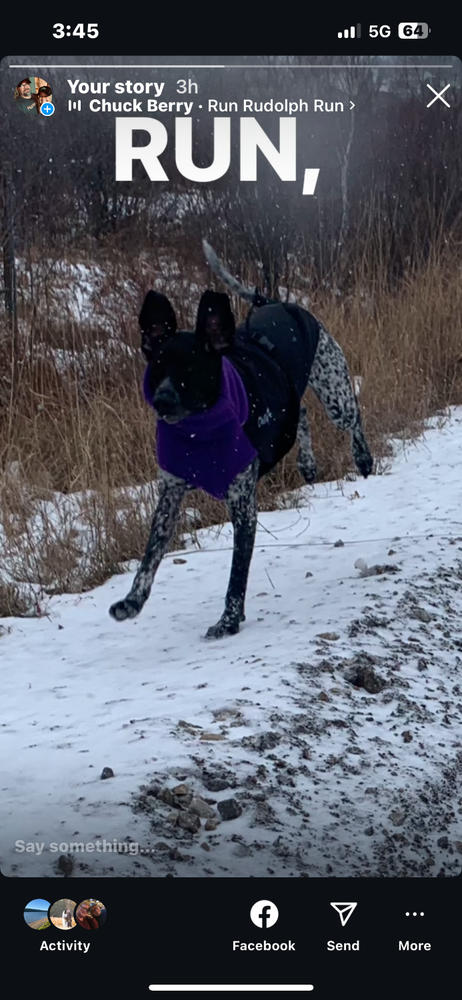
[47, 109]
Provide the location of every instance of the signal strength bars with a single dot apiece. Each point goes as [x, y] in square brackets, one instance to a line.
[353, 32]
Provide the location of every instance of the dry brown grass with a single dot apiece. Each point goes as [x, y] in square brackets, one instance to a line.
[81, 427]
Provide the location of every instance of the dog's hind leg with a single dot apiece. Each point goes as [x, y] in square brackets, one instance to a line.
[171, 491]
[330, 380]
[306, 462]
[241, 500]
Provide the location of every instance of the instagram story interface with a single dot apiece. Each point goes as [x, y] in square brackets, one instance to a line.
[230, 391]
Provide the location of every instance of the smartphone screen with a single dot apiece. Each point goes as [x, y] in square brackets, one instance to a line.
[230, 591]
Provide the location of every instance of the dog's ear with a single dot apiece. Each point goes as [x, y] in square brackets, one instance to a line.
[215, 325]
[157, 311]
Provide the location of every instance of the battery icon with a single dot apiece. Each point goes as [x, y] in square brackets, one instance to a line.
[413, 30]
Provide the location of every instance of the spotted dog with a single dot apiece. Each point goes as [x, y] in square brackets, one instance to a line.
[228, 406]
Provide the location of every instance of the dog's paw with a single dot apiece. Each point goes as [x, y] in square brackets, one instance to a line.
[128, 608]
[307, 470]
[226, 626]
[365, 464]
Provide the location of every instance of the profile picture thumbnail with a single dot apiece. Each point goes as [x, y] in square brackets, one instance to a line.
[36, 914]
[31, 93]
[91, 914]
[61, 914]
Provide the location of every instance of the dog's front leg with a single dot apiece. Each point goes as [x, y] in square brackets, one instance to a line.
[171, 492]
[241, 500]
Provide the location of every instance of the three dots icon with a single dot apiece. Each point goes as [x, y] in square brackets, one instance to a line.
[414, 914]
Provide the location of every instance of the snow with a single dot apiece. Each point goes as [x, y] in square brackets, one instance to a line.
[94, 297]
[332, 778]
[73, 293]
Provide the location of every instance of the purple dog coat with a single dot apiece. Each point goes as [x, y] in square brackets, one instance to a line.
[208, 449]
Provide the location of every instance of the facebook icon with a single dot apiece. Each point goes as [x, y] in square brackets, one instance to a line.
[264, 914]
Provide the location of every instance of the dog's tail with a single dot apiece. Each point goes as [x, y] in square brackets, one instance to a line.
[235, 286]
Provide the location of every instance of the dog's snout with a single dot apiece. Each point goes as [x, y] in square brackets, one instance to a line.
[166, 400]
[146, 344]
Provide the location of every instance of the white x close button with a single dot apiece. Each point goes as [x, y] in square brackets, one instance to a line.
[438, 96]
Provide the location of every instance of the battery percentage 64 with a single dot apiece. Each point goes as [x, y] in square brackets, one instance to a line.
[413, 30]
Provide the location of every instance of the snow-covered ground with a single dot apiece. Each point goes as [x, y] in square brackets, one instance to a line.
[88, 294]
[332, 721]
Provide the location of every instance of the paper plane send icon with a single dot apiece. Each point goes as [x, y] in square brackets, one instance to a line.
[344, 911]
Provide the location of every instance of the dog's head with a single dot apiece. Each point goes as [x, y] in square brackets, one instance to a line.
[190, 379]
[184, 375]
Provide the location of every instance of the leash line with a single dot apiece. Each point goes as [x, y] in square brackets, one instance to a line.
[302, 545]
